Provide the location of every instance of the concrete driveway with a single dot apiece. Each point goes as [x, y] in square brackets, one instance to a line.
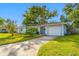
[27, 48]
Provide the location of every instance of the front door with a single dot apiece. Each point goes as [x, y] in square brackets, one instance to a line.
[42, 30]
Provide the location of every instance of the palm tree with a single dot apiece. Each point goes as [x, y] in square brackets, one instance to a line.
[2, 23]
[11, 26]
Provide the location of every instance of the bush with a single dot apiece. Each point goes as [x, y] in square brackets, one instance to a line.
[32, 31]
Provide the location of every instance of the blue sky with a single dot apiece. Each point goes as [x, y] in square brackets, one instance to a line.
[15, 11]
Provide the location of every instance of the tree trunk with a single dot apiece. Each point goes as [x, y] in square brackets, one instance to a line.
[12, 34]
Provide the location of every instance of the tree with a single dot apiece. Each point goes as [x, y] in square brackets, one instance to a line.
[63, 18]
[68, 8]
[72, 13]
[37, 15]
[2, 22]
[74, 16]
[11, 26]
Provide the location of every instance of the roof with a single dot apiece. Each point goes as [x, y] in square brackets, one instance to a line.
[55, 24]
[50, 24]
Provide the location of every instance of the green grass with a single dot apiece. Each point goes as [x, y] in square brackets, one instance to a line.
[4, 35]
[61, 46]
[6, 38]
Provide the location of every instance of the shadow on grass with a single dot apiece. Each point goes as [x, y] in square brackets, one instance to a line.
[13, 39]
[9, 37]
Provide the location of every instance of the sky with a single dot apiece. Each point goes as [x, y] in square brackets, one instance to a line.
[15, 11]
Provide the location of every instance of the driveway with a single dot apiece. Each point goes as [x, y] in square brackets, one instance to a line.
[27, 48]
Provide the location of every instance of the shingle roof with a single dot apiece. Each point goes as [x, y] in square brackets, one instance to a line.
[55, 24]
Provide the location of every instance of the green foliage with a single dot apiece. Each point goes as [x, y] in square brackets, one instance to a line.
[2, 21]
[32, 31]
[68, 8]
[72, 13]
[38, 15]
[74, 16]
[11, 26]
[61, 46]
[63, 18]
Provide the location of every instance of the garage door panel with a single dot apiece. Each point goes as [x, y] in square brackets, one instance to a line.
[56, 30]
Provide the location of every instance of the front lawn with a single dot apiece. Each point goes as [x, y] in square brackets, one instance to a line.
[61, 46]
[4, 35]
[6, 38]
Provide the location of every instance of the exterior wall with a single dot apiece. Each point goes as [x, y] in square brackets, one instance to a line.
[55, 30]
[46, 30]
[21, 30]
[38, 29]
[65, 30]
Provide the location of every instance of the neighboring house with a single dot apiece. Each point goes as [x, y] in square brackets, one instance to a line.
[21, 29]
[54, 29]
[3, 29]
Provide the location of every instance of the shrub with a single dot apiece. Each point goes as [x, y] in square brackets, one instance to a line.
[32, 31]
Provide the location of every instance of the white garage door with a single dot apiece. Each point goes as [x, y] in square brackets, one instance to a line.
[55, 30]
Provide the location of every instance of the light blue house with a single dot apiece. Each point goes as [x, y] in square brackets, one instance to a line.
[54, 29]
